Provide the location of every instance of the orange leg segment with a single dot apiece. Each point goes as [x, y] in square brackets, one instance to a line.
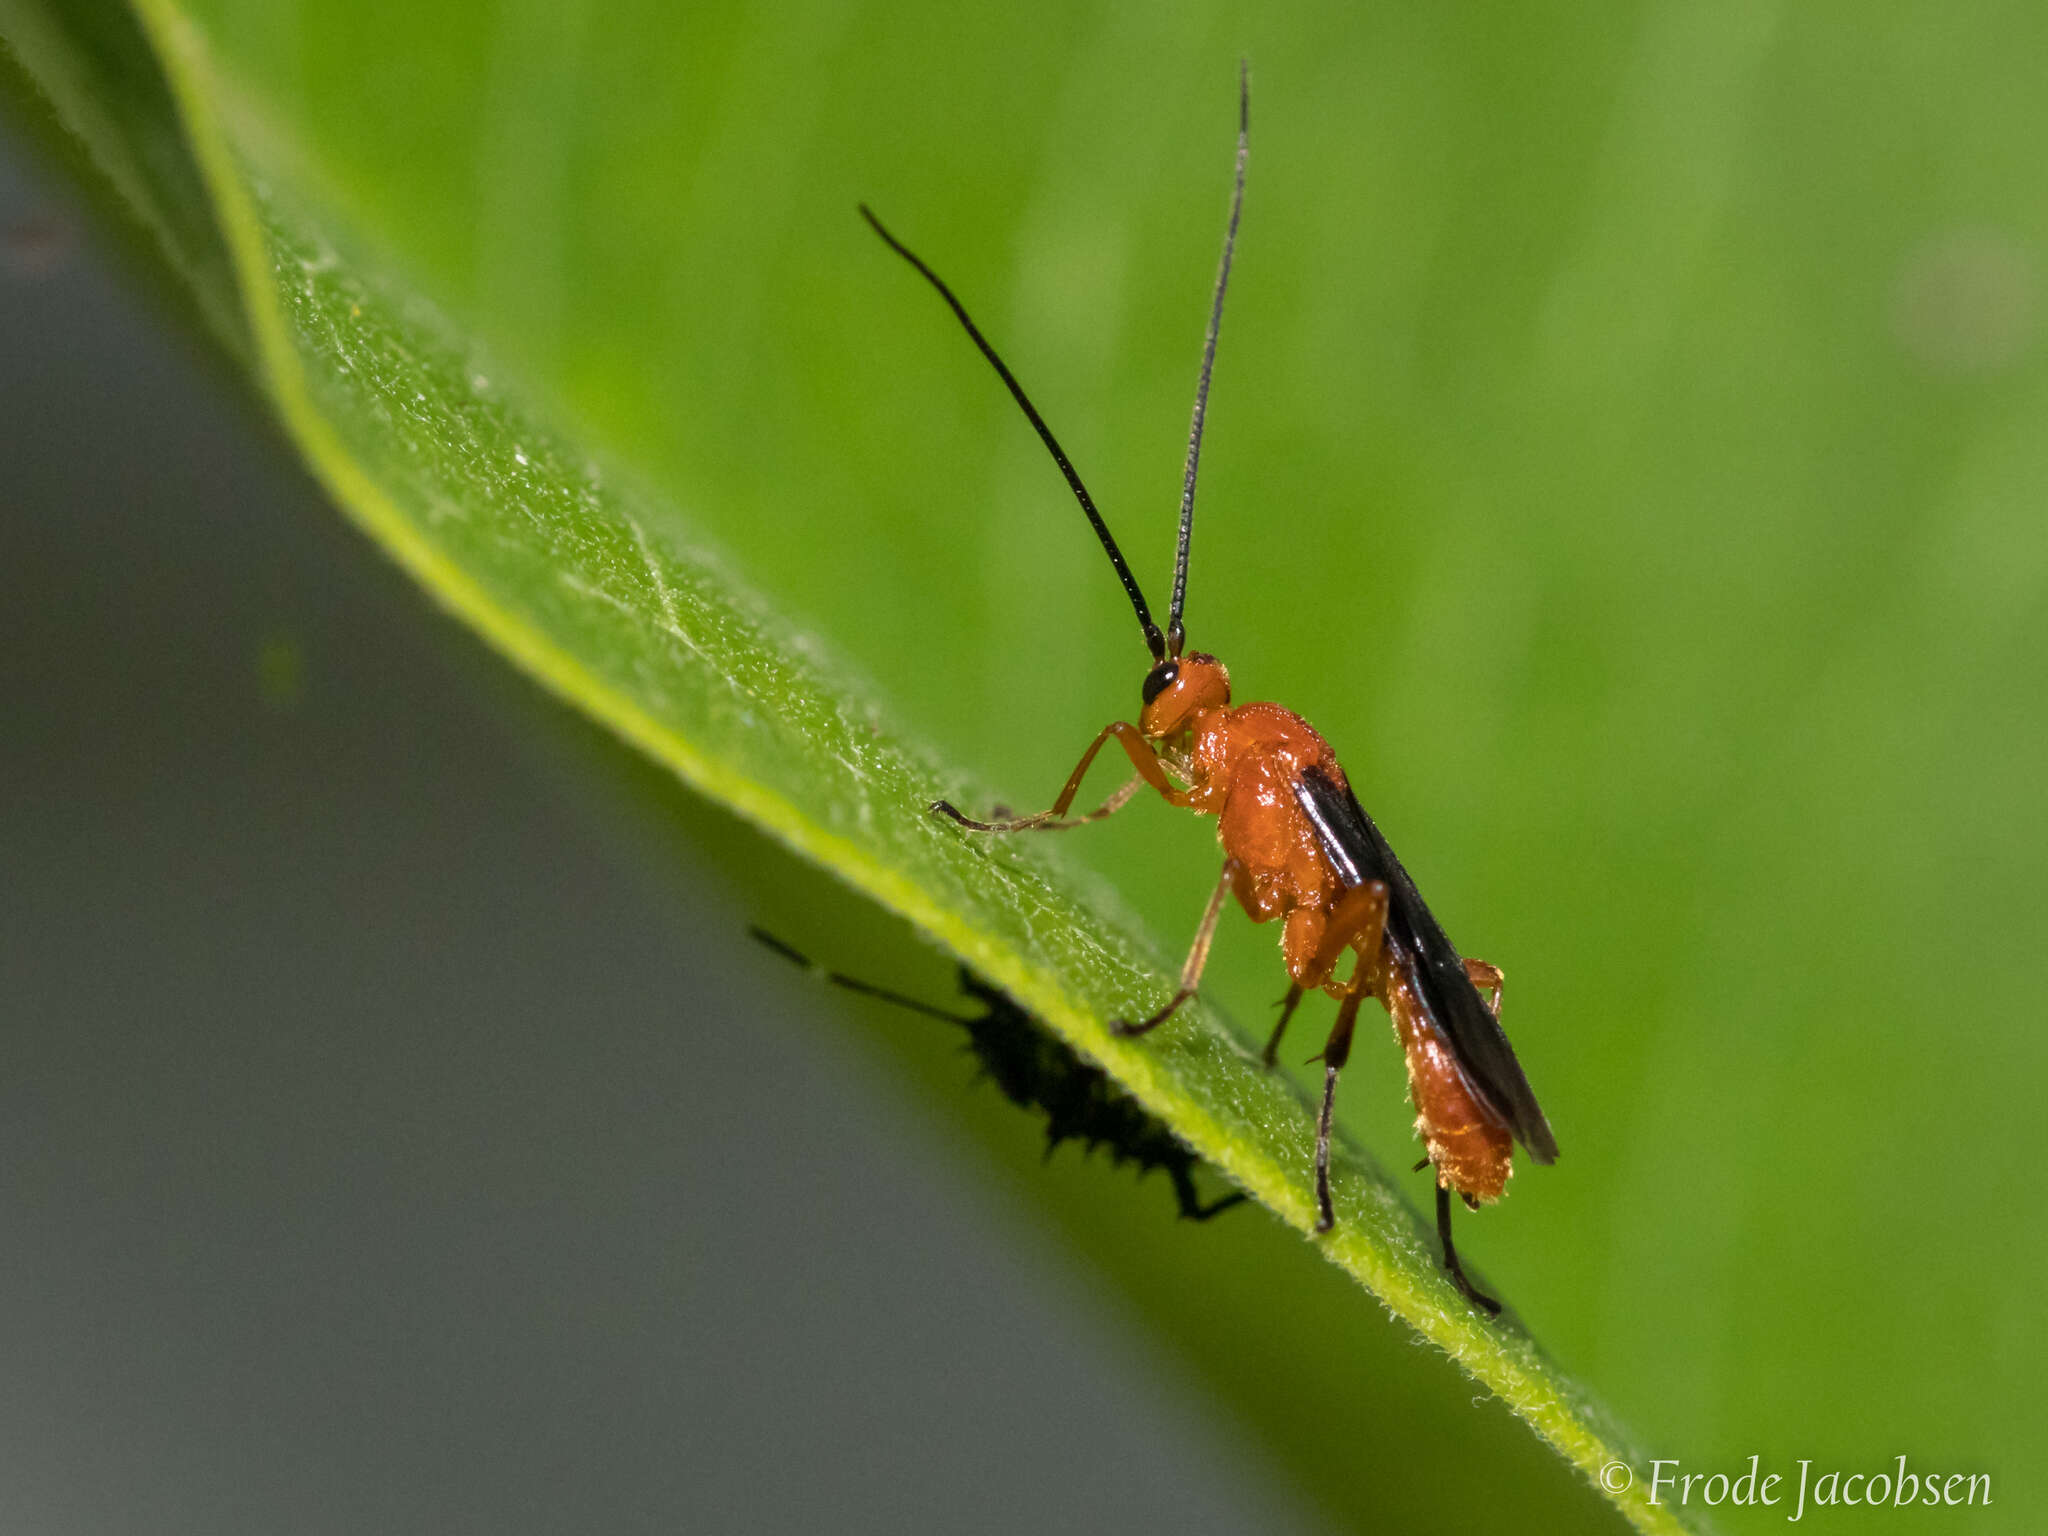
[1198, 957]
[1357, 921]
[1487, 978]
[1143, 759]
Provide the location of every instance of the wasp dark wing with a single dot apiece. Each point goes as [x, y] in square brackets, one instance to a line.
[1358, 852]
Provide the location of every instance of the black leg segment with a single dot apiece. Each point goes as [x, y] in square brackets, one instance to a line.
[1287, 1008]
[1473, 1294]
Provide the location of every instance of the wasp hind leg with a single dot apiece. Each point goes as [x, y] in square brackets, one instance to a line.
[1472, 1293]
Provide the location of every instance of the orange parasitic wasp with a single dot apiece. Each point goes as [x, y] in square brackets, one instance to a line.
[1297, 846]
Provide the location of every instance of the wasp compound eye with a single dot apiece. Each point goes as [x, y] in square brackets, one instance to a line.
[1161, 678]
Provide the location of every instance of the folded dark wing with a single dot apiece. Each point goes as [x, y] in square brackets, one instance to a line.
[1358, 853]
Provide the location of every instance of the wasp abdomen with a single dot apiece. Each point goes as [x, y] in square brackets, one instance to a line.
[1468, 1142]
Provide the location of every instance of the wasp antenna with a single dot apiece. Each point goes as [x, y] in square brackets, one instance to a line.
[1154, 641]
[1175, 633]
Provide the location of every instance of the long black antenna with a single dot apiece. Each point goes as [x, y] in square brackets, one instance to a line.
[1153, 639]
[1175, 633]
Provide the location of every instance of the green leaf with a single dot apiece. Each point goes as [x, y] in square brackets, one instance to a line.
[1623, 459]
[575, 573]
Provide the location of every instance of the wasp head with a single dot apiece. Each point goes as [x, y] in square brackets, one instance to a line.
[1178, 689]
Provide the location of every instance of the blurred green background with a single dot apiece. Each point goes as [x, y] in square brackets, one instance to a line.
[1626, 448]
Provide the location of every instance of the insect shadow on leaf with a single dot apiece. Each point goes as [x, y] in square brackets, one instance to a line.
[1036, 1070]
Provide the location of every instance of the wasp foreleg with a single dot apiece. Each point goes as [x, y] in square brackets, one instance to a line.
[1143, 759]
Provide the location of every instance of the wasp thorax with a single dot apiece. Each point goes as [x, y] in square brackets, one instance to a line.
[1177, 690]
